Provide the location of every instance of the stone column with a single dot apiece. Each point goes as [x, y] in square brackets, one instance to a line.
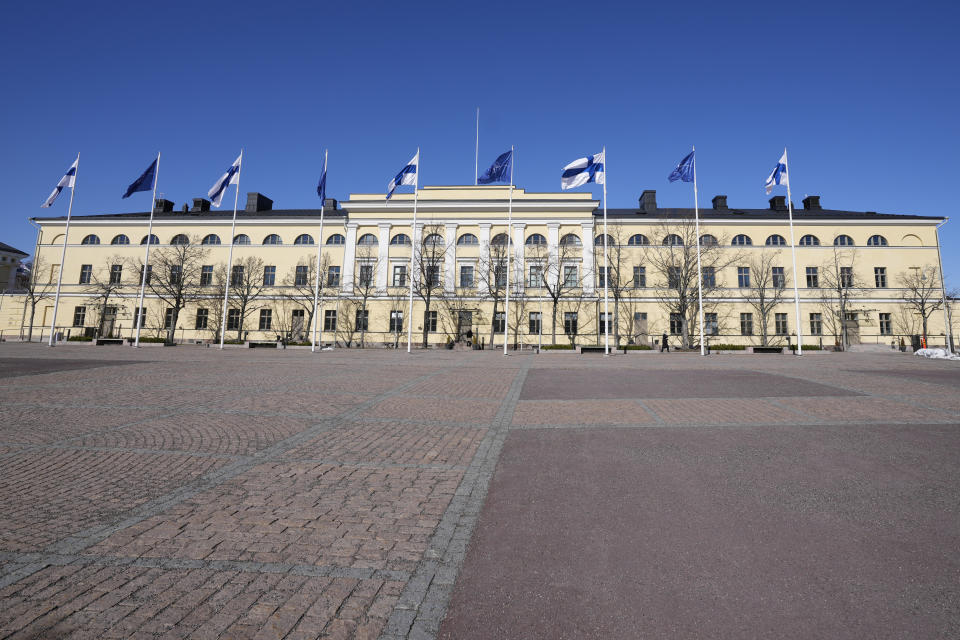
[383, 257]
[519, 229]
[484, 235]
[349, 258]
[588, 276]
[552, 271]
[450, 257]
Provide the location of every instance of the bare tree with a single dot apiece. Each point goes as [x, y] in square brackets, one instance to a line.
[838, 279]
[558, 282]
[766, 290]
[105, 283]
[923, 293]
[399, 299]
[175, 279]
[35, 291]
[298, 289]
[246, 287]
[457, 303]
[618, 274]
[212, 296]
[519, 304]
[492, 275]
[365, 287]
[429, 255]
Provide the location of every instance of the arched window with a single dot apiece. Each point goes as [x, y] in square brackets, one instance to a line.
[570, 240]
[741, 240]
[272, 239]
[877, 241]
[638, 240]
[672, 239]
[367, 239]
[120, 239]
[598, 241]
[241, 238]
[843, 240]
[303, 238]
[153, 239]
[336, 238]
[211, 239]
[433, 239]
[90, 239]
[499, 239]
[401, 239]
[179, 239]
[467, 239]
[776, 240]
[535, 239]
[809, 241]
[708, 240]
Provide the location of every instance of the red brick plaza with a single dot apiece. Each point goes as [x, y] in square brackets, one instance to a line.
[194, 493]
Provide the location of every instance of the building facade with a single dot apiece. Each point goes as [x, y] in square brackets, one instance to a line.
[860, 273]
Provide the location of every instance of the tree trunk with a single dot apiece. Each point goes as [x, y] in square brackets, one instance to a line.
[33, 312]
[493, 322]
[426, 320]
[554, 341]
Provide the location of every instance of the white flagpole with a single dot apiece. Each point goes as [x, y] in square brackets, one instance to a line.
[793, 250]
[316, 285]
[138, 312]
[696, 213]
[63, 256]
[606, 264]
[506, 306]
[413, 246]
[476, 155]
[233, 230]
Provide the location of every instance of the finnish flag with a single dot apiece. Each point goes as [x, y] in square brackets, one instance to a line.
[66, 181]
[583, 170]
[407, 175]
[778, 175]
[232, 176]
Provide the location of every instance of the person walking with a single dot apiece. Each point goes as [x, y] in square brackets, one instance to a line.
[664, 344]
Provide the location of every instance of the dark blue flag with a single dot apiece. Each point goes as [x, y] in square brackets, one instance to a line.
[144, 182]
[500, 170]
[322, 185]
[685, 170]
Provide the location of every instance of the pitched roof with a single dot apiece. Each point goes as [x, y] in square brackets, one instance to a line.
[758, 214]
[9, 249]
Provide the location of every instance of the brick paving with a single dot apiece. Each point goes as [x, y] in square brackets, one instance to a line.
[194, 493]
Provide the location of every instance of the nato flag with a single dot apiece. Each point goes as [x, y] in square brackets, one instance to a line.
[684, 170]
[500, 170]
[144, 182]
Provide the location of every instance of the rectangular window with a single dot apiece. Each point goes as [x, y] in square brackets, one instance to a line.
[886, 325]
[86, 271]
[176, 274]
[570, 276]
[710, 324]
[139, 317]
[816, 324]
[270, 275]
[535, 322]
[300, 275]
[333, 276]
[676, 324]
[366, 275]
[535, 276]
[236, 275]
[498, 321]
[116, 273]
[298, 319]
[433, 276]
[880, 277]
[466, 276]
[431, 321]
[570, 323]
[206, 275]
[746, 324]
[606, 324]
[330, 320]
[673, 277]
[233, 319]
[500, 275]
[396, 321]
[779, 278]
[780, 324]
[743, 277]
[813, 278]
[602, 276]
[846, 277]
[639, 277]
[168, 318]
[399, 275]
[202, 318]
[709, 277]
[79, 316]
[362, 319]
[149, 274]
[266, 319]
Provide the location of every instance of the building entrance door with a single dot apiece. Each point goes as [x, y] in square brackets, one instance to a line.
[109, 321]
[297, 324]
[464, 324]
[851, 326]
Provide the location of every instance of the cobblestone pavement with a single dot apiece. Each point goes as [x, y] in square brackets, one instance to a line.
[194, 493]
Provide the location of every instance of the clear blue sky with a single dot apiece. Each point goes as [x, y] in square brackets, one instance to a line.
[864, 95]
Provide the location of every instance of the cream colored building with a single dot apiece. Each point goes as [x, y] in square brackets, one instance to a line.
[557, 243]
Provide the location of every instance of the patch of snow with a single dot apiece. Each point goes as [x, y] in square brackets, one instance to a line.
[936, 354]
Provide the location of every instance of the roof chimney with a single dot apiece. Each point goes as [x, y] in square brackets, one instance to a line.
[812, 203]
[648, 201]
[720, 202]
[258, 202]
[330, 204]
[186, 208]
[162, 206]
[200, 204]
[778, 203]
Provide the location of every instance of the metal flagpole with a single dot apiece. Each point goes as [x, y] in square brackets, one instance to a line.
[793, 250]
[63, 256]
[476, 155]
[506, 306]
[139, 312]
[233, 230]
[943, 289]
[413, 246]
[316, 285]
[696, 214]
[606, 264]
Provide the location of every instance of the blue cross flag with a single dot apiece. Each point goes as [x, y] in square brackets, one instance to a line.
[232, 176]
[778, 175]
[407, 175]
[66, 181]
[583, 170]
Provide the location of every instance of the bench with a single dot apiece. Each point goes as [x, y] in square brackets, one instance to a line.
[768, 349]
[101, 341]
[263, 345]
[593, 349]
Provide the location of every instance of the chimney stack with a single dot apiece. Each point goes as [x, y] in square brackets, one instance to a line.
[162, 206]
[720, 203]
[258, 202]
[648, 201]
[200, 204]
[778, 203]
[812, 203]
